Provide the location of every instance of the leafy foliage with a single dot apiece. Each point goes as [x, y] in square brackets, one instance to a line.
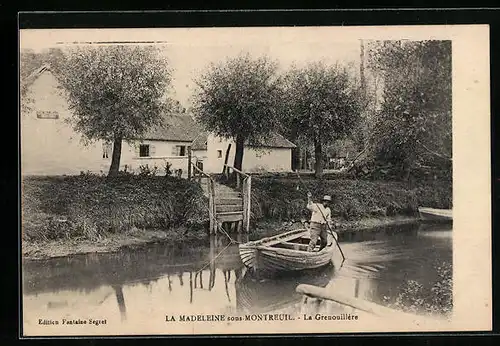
[238, 99]
[414, 123]
[285, 198]
[322, 104]
[145, 170]
[436, 298]
[168, 169]
[116, 92]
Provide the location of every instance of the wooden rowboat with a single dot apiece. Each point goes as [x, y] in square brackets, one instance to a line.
[435, 215]
[285, 252]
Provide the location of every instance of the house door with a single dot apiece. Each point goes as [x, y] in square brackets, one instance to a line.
[199, 164]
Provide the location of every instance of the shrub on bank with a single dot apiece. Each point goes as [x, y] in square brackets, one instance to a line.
[285, 199]
[90, 206]
[431, 298]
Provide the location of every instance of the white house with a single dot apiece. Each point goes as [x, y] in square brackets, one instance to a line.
[273, 154]
[50, 146]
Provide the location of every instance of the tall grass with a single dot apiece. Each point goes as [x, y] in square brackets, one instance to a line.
[285, 199]
[91, 206]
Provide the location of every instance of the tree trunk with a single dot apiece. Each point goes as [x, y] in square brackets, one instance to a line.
[228, 150]
[238, 156]
[318, 156]
[295, 159]
[407, 172]
[115, 160]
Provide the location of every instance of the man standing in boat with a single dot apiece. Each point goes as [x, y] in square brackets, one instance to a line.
[321, 218]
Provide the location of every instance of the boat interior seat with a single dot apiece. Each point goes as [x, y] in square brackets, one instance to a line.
[296, 246]
[293, 246]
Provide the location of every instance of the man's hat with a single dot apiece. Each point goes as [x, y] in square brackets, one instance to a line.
[327, 198]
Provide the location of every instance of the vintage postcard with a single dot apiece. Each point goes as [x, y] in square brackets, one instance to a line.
[255, 180]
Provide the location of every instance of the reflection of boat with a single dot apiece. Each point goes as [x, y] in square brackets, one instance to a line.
[256, 295]
[285, 252]
[435, 215]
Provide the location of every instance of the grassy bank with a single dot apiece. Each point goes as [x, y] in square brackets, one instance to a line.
[90, 207]
[284, 199]
[88, 213]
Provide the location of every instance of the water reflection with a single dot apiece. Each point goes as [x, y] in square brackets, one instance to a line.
[121, 301]
[136, 285]
[255, 295]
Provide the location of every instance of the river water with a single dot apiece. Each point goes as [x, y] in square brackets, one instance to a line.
[406, 268]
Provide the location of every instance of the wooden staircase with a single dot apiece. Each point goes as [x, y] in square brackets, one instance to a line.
[228, 204]
[230, 207]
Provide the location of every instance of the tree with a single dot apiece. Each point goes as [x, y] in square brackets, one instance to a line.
[238, 99]
[322, 105]
[414, 123]
[116, 93]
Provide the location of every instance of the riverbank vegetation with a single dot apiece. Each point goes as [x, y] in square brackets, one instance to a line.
[92, 207]
[434, 299]
[284, 199]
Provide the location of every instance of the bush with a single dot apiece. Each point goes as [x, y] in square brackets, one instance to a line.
[168, 169]
[144, 170]
[415, 297]
[285, 199]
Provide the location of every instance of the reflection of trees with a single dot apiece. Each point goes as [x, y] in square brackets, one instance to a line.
[379, 233]
[198, 276]
[169, 283]
[213, 247]
[190, 287]
[222, 256]
[91, 271]
[141, 266]
[121, 301]
[227, 277]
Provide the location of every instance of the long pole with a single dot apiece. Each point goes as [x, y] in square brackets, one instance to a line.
[331, 231]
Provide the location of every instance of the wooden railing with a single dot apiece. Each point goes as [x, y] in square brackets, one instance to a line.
[197, 175]
[244, 185]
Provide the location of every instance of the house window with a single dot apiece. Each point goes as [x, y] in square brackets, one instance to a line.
[144, 150]
[47, 115]
[181, 150]
[219, 154]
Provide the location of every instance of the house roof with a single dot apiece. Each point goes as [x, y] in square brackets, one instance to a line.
[175, 127]
[274, 140]
[200, 142]
[30, 79]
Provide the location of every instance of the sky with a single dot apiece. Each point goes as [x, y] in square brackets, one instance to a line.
[190, 51]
